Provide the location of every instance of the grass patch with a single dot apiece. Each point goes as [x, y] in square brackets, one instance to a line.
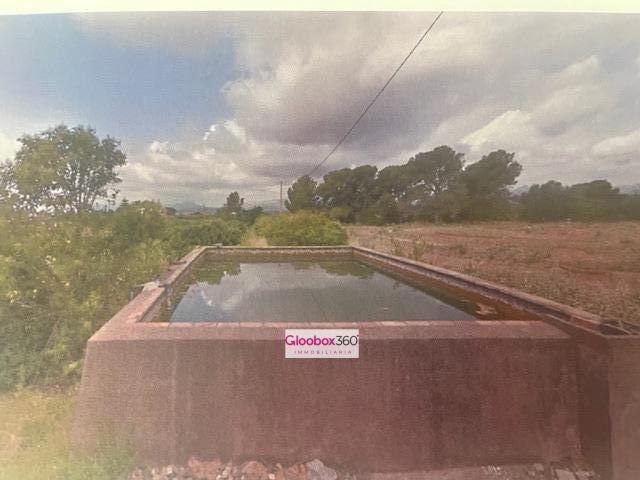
[252, 239]
[35, 431]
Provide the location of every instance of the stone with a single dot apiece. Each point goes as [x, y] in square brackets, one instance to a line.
[294, 472]
[202, 470]
[254, 471]
[562, 474]
[150, 285]
[583, 475]
[140, 473]
[319, 471]
[279, 472]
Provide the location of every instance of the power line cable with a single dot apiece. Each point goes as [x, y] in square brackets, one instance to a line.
[364, 112]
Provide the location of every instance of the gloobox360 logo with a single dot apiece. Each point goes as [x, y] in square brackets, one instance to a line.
[321, 343]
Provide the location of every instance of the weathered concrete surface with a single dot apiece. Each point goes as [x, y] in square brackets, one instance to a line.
[624, 406]
[608, 380]
[593, 407]
[420, 396]
[608, 367]
[138, 374]
[487, 472]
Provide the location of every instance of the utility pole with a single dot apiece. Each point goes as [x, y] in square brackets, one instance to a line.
[281, 195]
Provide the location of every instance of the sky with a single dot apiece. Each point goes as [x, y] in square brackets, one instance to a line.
[211, 102]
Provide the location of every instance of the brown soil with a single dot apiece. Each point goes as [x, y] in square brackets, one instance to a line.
[593, 266]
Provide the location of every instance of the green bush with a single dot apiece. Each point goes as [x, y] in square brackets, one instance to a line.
[63, 276]
[138, 222]
[185, 233]
[301, 228]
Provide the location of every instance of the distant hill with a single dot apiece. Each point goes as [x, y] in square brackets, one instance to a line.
[269, 206]
[192, 207]
[187, 206]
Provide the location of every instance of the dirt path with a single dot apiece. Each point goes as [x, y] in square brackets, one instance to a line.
[594, 266]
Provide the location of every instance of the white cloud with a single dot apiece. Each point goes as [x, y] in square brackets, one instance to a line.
[580, 71]
[226, 136]
[628, 144]
[158, 148]
[478, 83]
[205, 171]
[513, 127]
[566, 106]
[553, 132]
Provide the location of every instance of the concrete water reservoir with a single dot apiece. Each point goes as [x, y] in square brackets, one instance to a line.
[452, 370]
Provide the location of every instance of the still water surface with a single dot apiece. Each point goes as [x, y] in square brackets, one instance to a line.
[301, 291]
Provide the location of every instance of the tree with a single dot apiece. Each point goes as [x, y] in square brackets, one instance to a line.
[348, 189]
[234, 204]
[393, 180]
[593, 200]
[596, 200]
[6, 181]
[137, 222]
[385, 210]
[486, 183]
[302, 194]
[433, 174]
[545, 202]
[251, 215]
[601, 189]
[65, 169]
[630, 207]
[447, 206]
[435, 171]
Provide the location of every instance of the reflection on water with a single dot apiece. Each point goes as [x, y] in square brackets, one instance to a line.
[301, 291]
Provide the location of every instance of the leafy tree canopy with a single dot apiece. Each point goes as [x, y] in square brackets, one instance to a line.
[492, 175]
[435, 171]
[234, 203]
[302, 194]
[64, 170]
[352, 188]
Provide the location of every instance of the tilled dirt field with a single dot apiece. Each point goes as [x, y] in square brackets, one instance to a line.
[593, 266]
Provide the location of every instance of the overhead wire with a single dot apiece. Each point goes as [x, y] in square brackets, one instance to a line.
[370, 104]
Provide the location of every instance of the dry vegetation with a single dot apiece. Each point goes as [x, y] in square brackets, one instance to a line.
[35, 428]
[593, 266]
